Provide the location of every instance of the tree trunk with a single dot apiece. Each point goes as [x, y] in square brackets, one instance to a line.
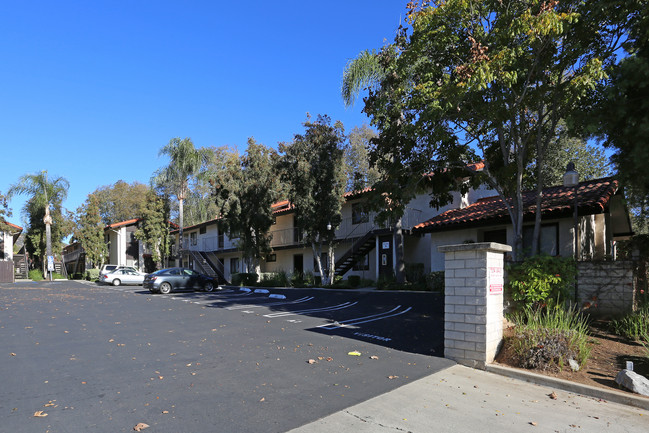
[400, 265]
[318, 262]
[180, 232]
[48, 240]
[332, 264]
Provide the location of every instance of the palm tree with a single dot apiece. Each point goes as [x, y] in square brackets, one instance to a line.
[185, 162]
[360, 73]
[43, 193]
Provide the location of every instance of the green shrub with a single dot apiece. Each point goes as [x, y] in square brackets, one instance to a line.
[415, 273]
[57, 276]
[36, 275]
[435, 281]
[274, 279]
[386, 282]
[354, 280]
[244, 279]
[634, 326]
[548, 339]
[92, 274]
[541, 281]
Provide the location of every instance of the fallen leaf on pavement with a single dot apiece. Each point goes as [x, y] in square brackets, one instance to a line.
[393, 377]
[263, 399]
[140, 426]
[553, 395]
[312, 361]
[13, 354]
[533, 423]
[165, 411]
[374, 357]
[329, 359]
[40, 414]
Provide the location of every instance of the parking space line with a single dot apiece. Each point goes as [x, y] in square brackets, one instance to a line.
[366, 319]
[272, 304]
[313, 310]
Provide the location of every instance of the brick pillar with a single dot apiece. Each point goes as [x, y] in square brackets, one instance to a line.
[473, 302]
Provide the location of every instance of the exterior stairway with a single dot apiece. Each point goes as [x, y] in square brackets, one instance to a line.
[358, 250]
[207, 266]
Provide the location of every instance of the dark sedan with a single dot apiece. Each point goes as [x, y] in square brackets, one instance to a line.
[167, 280]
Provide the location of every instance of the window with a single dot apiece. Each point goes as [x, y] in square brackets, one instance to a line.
[549, 239]
[221, 240]
[360, 214]
[271, 258]
[363, 264]
[202, 230]
[234, 265]
[499, 236]
[194, 238]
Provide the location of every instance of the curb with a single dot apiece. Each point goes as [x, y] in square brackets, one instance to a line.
[577, 388]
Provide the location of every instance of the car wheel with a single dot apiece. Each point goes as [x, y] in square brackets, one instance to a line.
[165, 288]
[116, 282]
[208, 287]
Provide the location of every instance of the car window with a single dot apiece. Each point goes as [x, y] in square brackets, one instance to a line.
[173, 272]
[189, 272]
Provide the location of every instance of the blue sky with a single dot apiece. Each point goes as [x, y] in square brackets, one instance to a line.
[92, 90]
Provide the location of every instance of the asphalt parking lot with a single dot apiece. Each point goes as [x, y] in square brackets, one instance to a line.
[101, 358]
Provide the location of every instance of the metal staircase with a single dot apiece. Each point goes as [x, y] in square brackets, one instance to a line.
[206, 265]
[358, 250]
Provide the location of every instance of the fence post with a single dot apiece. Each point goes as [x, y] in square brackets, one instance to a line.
[473, 302]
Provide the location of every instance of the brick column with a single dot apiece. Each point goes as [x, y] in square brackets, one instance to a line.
[473, 302]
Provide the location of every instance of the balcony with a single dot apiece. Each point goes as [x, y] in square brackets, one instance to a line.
[348, 229]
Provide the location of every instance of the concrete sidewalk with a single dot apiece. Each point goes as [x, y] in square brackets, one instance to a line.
[461, 399]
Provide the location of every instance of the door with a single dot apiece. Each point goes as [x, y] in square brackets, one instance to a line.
[385, 255]
[298, 263]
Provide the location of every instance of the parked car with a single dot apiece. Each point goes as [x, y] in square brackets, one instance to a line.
[166, 280]
[122, 276]
[106, 269]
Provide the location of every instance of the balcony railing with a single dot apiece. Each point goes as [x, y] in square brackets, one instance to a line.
[291, 236]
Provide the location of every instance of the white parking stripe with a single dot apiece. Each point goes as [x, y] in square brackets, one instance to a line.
[358, 321]
[273, 304]
[313, 310]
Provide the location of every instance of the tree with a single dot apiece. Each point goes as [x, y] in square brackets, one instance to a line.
[312, 167]
[154, 227]
[360, 174]
[617, 115]
[590, 160]
[89, 231]
[120, 201]
[245, 190]
[44, 204]
[185, 163]
[490, 81]
[4, 212]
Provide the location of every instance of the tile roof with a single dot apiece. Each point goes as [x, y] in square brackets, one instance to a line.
[557, 201]
[131, 221]
[20, 229]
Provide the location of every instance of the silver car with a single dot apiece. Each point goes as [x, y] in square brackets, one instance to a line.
[122, 276]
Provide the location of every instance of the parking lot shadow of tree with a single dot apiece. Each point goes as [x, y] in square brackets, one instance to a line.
[406, 321]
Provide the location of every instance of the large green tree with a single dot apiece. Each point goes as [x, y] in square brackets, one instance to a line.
[312, 166]
[4, 212]
[89, 231]
[358, 170]
[490, 81]
[618, 113]
[244, 192]
[119, 201]
[185, 163]
[154, 228]
[43, 207]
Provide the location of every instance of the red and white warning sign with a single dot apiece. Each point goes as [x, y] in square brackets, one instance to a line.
[496, 280]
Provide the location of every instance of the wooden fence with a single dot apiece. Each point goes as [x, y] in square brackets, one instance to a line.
[6, 271]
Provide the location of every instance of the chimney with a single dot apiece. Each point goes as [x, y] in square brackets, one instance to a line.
[570, 177]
